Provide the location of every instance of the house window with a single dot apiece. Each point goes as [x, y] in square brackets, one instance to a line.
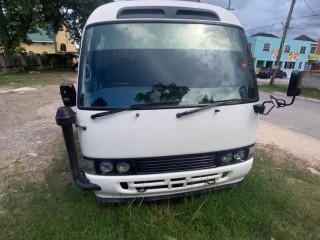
[287, 49]
[303, 50]
[289, 65]
[266, 47]
[300, 64]
[280, 64]
[260, 64]
[313, 50]
[63, 47]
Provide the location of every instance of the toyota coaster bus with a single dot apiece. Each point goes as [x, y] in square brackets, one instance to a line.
[167, 103]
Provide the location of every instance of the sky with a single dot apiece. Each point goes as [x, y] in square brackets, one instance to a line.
[266, 16]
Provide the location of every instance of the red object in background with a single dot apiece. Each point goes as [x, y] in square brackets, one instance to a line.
[243, 65]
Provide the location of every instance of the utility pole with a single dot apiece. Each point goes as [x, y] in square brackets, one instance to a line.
[229, 6]
[282, 42]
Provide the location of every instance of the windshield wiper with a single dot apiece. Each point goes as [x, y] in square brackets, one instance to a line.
[113, 111]
[215, 104]
[132, 107]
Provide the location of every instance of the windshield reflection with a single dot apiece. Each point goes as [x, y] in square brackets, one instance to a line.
[163, 93]
[144, 63]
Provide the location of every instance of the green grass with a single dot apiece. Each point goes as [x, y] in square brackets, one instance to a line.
[25, 78]
[306, 92]
[273, 201]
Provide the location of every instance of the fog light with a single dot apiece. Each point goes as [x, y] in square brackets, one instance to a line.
[227, 157]
[239, 155]
[123, 166]
[106, 166]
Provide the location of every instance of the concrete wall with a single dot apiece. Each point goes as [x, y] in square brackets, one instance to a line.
[20, 62]
[33, 62]
[311, 80]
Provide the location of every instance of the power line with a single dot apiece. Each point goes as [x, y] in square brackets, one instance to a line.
[303, 24]
[294, 18]
[263, 26]
[311, 9]
[300, 17]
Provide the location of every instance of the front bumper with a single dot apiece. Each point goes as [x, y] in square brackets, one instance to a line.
[155, 186]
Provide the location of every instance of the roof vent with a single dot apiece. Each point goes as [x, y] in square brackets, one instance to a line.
[167, 12]
[195, 14]
[141, 13]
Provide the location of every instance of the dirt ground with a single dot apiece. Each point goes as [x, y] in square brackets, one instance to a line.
[29, 135]
[291, 144]
[30, 138]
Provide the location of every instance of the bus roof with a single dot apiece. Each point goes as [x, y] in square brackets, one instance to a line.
[144, 9]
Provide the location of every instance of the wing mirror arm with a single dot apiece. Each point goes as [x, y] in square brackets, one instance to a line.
[292, 100]
[294, 89]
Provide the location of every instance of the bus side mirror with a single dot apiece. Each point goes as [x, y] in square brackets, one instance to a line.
[294, 88]
[68, 94]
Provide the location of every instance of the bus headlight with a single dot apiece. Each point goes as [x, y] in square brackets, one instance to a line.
[239, 155]
[106, 166]
[226, 157]
[123, 166]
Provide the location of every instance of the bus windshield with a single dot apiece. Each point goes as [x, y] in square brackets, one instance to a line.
[169, 64]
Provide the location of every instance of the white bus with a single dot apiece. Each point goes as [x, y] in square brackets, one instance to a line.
[167, 102]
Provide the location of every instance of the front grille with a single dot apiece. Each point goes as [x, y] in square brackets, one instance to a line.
[176, 163]
[195, 181]
[168, 164]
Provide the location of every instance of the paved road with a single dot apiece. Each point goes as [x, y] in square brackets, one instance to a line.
[303, 116]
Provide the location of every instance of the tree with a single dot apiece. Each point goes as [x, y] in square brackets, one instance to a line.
[54, 15]
[20, 17]
[70, 13]
[163, 93]
[17, 19]
[77, 18]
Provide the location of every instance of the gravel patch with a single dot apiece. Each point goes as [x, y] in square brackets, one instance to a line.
[300, 145]
[30, 138]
